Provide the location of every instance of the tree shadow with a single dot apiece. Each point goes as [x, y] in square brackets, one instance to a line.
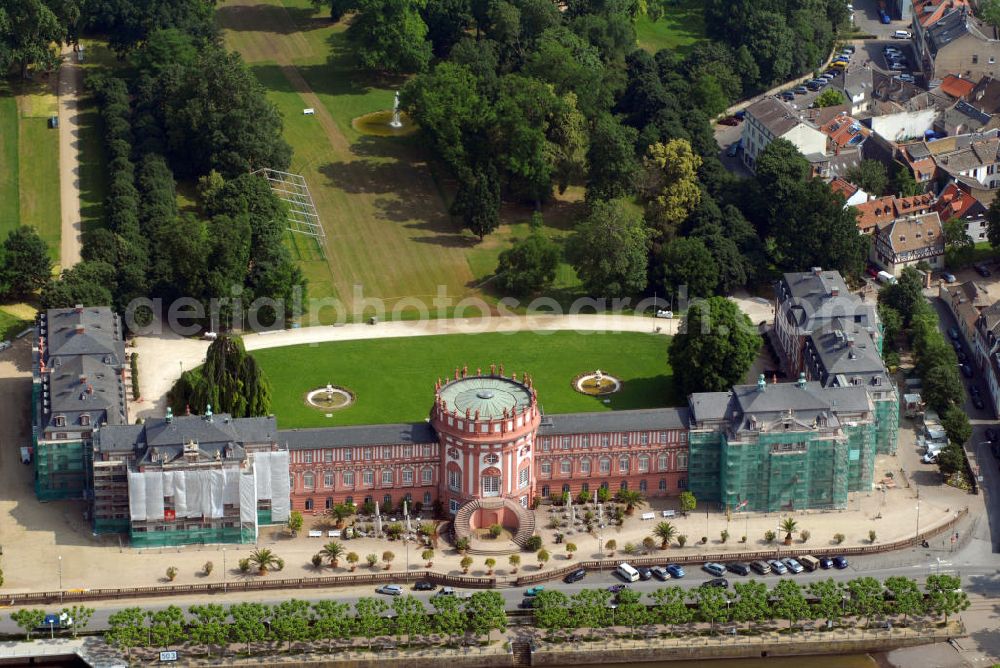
[267, 19]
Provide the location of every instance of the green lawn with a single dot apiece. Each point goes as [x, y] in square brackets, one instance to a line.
[39, 180]
[393, 379]
[681, 27]
[93, 166]
[9, 198]
[11, 325]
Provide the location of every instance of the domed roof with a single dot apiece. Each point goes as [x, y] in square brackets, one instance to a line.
[490, 395]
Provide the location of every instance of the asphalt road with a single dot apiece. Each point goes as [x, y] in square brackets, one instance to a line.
[922, 562]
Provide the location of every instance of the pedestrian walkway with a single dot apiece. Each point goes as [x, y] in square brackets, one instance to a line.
[70, 89]
[91, 650]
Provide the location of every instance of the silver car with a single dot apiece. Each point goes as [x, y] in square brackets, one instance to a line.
[793, 565]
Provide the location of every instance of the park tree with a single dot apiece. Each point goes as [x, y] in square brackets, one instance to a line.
[670, 185]
[830, 97]
[81, 616]
[209, 626]
[611, 157]
[903, 182]
[27, 30]
[125, 629]
[712, 605]
[291, 621]
[448, 620]
[410, 618]
[989, 11]
[631, 612]
[28, 620]
[295, 522]
[487, 612]
[870, 176]
[589, 609]
[715, 347]
[665, 531]
[866, 598]
[477, 201]
[552, 611]
[688, 502]
[167, 627]
[248, 625]
[687, 268]
[670, 606]
[390, 36]
[942, 388]
[790, 603]
[332, 551]
[907, 599]
[529, 266]
[369, 620]
[956, 425]
[828, 601]
[951, 459]
[89, 283]
[26, 264]
[752, 602]
[229, 382]
[608, 250]
[959, 246]
[447, 22]
[945, 596]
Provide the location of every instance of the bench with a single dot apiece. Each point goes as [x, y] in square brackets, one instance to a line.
[670, 513]
[314, 533]
[333, 533]
[649, 516]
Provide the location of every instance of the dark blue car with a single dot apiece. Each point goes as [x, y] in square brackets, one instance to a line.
[676, 572]
[840, 562]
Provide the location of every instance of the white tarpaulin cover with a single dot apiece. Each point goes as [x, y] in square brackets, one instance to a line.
[197, 493]
[248, 500]
[271, 471]
[262, 472]
[154, 495]
[136, 496]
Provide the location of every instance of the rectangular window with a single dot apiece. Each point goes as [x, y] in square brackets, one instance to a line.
[369, 478]
[546, 468]
[623, 465]
[308, 481]
[369, 454]
[407, 476]
[605, 466]
[643, 464]
[565, 442]
[454, 480]
[453, 506]
[565, 467]
[307, 457]
[644, 438]
[585, 467]
[625, 439]
[348, 477]
[427, 451]
[427, 476]
[605, 441]
[491, 485]
[328, 479]
[348, 455]
[522, 478]
[407, 451]
[585, 440]
[546, 445]
[328, 456]
[387, 477]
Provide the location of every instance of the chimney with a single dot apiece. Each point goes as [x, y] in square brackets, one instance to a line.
[835, 292]
[170, 415]
[817, 270]
[80, 329]
[208, 413]
[801, 382]
[761, 384]
[78, 308]
[83, 379]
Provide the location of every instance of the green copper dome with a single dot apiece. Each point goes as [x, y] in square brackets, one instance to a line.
[489, 395]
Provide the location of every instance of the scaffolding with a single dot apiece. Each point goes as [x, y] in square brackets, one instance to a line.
[292, 189]
[705, 448]
[60, 470]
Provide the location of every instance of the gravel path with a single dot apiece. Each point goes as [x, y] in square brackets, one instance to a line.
[70, 88]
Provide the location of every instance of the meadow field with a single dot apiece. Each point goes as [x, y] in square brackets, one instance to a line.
[393, 379]
[682, 27]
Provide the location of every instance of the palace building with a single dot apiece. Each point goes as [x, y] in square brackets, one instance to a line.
[483, 455]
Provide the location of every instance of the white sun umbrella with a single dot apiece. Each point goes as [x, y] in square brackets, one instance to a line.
[600, 514]
[572, 513]
[406, 514]
[378, 521]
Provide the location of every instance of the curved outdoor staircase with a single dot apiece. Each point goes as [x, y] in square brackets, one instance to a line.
[462, 528]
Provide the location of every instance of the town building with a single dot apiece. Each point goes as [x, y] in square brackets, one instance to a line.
[905, 242]
[858, 86]
[769, 119]
[883, 210]
[956, 202]
[853, 195]
[805, 302]
[949, 39]
[987, 354]
[79, 376]
[782, 447]
[966, 301]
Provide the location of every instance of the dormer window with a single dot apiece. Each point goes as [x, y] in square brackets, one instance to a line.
[85, 420]
[60, 420]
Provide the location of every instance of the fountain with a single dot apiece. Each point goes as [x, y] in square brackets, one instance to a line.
[394, 123]
[596, 383]
[329, 397]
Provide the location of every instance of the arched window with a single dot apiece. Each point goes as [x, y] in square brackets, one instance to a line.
[309, 504]
[491, 459]
[663, 462]
[642, 486]
[565, 487]
[329, 503]
[545, 491]
[605, 465]
[624, 485]
[427, 499]
[308, 480]
[387, 500]
[663, 485]
[349, 500]
[682, 460]
[565, 467]
[490, 482]
[643, 463]
[604, 485]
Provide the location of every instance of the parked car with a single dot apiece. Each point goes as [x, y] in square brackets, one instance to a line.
[778, 567]
[729, 120]
[898, 67]
[974, 390]
[825, 563]
[534, 591]
[738, 567]
[966, 370]
[793, 565]
[721, 583]
[389, 590]
[615, 588]
[840, 563]
[962, 357]
[800, 90]
[813, 85]
[930, 457]
[948, 277]
[714, 568]
[908, 78]
[676, 572]
[991, 435]
[761, 567]
[978, 402]
[526, 604]
[850, 47]
[740, 115]
[424, 585]
[787, 96]
[666, 313]
[953, 333]
[982, 270]
[660, 573]
[733, 149]
[575, 576]
[446, 591]
[644, 573]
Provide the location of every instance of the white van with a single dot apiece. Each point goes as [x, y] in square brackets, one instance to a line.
[886, 277]
[627, 573]
[902, 34]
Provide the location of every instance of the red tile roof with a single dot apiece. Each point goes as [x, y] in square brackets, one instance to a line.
[885, 209]
[929, 12]
[844, 187]
[957, 87]
[953, 202]
[844, 130]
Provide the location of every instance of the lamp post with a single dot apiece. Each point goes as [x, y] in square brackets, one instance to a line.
[918, 520]
[406, 540]
[225, 583]
[60, 572]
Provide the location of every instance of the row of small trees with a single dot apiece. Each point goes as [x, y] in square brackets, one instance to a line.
[214, 627]
[754, 603]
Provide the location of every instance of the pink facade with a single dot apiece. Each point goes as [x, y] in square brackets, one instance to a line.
[486, 438]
